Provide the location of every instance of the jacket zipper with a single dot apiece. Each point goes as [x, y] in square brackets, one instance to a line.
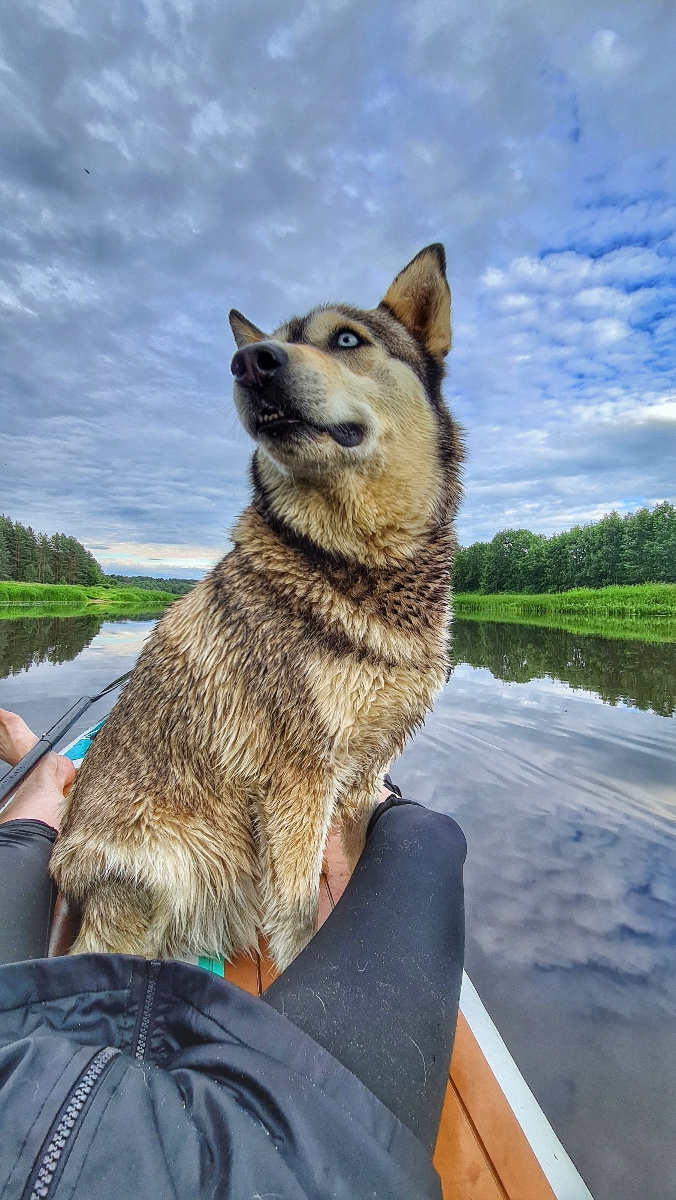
[61, 1135]
[143, 1029]
[69, 1118]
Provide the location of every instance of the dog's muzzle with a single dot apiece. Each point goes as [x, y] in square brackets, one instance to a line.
[258, 368]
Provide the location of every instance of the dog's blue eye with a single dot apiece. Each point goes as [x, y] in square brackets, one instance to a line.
[347, 340]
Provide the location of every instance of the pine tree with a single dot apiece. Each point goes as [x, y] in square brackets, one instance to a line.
[36, 558]
[24, 553]
[44, 559]
[6, 541]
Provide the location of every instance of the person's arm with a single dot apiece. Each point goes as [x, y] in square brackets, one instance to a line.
[28, 827]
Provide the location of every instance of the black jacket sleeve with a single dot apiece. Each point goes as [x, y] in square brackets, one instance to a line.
[27, 893]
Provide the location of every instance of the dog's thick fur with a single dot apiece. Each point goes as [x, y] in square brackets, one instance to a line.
[267, 701]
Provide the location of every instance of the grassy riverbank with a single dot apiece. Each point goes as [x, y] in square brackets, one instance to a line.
[646, 612]
[62, 599]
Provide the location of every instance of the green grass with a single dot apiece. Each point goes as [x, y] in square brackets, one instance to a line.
[63, 599]
[647, 612]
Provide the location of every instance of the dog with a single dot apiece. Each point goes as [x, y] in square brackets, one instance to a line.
[267, 701]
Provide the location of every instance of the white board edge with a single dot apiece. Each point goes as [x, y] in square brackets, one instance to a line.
[560, 1171]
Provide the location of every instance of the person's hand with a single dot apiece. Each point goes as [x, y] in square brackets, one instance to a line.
[16, 739]
[40, 796]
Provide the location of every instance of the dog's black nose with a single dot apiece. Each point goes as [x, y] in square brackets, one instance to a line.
[255, 365]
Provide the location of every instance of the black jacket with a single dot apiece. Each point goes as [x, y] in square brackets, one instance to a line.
[127, 1080]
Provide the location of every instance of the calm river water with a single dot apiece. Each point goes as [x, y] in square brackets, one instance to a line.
[557, 755]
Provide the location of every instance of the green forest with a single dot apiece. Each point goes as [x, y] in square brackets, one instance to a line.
[29, 557]
[147, 583]
[635, 549]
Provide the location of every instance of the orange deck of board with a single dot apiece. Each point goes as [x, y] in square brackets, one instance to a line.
[481, 1153]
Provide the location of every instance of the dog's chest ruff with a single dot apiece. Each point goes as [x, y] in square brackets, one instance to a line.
[297, 652]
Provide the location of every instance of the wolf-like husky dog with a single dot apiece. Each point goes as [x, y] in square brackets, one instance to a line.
[267, 701]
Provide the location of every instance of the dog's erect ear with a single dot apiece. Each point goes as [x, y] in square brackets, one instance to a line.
[421, 299]
[243, 331]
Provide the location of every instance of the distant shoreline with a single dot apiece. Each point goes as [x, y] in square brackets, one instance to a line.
[77, 600]
[646, 612]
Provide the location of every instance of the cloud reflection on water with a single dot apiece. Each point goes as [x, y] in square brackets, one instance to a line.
[569, 807]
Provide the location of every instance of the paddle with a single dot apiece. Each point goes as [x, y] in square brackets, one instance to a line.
[51, 737]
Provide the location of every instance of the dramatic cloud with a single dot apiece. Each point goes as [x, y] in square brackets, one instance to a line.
[579, 380]
[164, 160]
[572, 855]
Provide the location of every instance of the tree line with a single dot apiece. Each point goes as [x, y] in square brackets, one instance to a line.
[148, 583]
[637, 548]
[29, 557]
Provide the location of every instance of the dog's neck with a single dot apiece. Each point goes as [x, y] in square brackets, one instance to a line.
[381, 521]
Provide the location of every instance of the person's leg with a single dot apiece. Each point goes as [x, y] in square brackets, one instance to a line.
[379, 984]
[27, 893]
[28, 825]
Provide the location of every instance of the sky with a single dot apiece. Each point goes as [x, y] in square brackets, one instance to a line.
[162, 161]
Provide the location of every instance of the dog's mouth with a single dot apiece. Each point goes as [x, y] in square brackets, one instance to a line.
[284, 426]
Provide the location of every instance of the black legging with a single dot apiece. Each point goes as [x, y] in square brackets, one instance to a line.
[27, 893]
[379, 984]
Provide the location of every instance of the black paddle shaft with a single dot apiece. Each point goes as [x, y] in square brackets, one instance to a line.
[49, 739]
